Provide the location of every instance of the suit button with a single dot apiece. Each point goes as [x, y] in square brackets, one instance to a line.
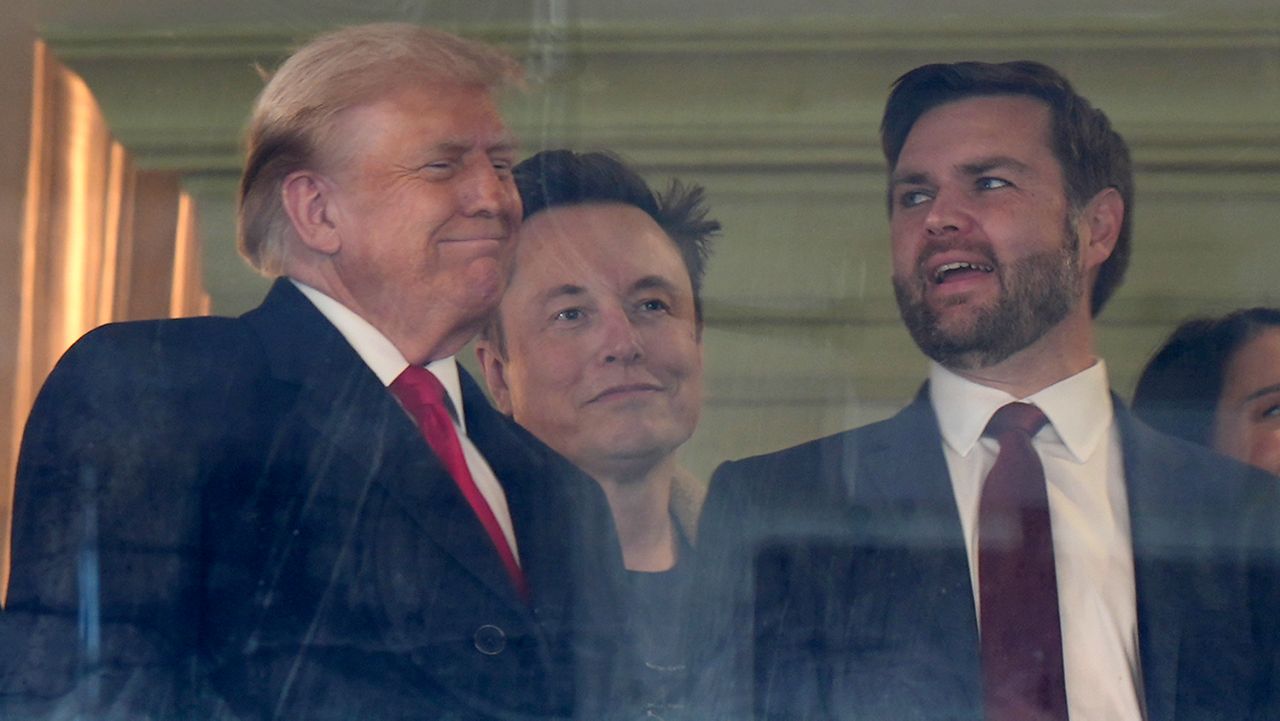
[490, 640]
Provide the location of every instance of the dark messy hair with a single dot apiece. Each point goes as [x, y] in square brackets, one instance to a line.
[555, 178]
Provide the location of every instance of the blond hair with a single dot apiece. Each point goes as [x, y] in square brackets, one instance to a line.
[293, 117]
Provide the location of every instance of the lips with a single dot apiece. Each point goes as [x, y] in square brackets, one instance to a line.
[628, 389]
[958, 269]
[487, 238]
[941, 268]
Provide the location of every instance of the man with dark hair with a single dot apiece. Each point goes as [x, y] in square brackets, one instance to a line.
[309, 511]
[596, 349]
[1092, 156]
[1013, 544]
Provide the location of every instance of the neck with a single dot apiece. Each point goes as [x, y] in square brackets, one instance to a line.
[1063, 351]
[423, 336]
[641, 506]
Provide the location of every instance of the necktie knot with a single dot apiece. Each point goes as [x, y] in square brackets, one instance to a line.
[1022, 418]
[417, 388]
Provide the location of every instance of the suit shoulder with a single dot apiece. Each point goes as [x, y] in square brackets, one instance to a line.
[178, 333]
[120, 370]
[816, 457]
[154, 347]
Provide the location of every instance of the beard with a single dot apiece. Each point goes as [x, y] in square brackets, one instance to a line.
[1036, 293]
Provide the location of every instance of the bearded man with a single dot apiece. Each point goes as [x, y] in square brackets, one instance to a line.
[1013, 544]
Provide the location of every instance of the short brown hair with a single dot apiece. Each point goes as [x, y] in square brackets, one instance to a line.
[294, 114]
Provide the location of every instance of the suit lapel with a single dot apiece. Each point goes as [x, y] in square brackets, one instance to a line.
[525, 479]
[364, 438]
[904, 489]
[901, 468]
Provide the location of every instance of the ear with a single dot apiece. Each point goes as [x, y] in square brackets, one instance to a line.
[495, 375]
[308, 199]
[1099, 226]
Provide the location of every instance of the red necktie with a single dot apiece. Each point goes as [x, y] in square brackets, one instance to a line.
[424, 397]
[1022, 674]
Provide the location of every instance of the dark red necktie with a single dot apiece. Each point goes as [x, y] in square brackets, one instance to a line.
[1022, 673]
[424, 397]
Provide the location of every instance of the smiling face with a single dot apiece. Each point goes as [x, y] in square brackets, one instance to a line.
[603, 356]
[986, 254]
[1247, 421]
[420, 210]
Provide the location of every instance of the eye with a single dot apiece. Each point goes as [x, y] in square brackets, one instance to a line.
[502, 165]
[438, 167]
[570, 315]
[1271, 411]
[652, 305]
[989, 183]
[912, 198]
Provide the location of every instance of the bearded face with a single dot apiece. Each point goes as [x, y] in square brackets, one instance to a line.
[1035, 293]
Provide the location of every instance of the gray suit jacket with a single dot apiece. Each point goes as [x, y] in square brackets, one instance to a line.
[844, 569]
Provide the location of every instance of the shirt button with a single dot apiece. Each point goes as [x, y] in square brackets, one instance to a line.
[490, 640]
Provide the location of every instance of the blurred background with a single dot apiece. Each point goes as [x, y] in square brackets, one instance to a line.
[120, 153]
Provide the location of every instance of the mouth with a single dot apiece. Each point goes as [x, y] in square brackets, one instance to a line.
[479, 239]
[959, 270]
[628, 390]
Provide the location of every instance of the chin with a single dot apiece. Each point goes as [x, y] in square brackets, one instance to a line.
[485, 283]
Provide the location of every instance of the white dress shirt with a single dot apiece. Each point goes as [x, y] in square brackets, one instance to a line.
[1088, 507]
[387, 362]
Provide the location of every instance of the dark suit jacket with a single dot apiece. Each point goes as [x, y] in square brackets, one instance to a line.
[843, 561]
[233, 517]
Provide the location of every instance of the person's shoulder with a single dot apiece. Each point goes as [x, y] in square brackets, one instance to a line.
[1194, 494]
[161, 338]
[133, 358]
[1203, 468]
[805, 476]
[818, 456]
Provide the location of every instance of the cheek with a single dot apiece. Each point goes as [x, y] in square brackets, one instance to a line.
[1264, 451]
[675, 349]
[903, 254]
[550, 381]
[1231, 436]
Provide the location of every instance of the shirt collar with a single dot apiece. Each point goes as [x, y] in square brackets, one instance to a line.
[379, 353]
[1078, 408]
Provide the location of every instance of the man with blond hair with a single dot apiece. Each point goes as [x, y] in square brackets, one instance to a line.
[310, 511]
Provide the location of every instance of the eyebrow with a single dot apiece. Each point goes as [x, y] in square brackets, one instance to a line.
[1275, 387]
[986, 165]
[908, 179]
[568, 289]
[975, 168]
[506, 144]
[652, 282]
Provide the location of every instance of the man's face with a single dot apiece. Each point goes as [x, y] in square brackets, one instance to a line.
[424, 206]
[603, 352]
[1247, 422]
[986, 257]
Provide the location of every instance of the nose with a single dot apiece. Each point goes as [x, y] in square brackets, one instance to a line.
[621, 343]
[948, 214]
[490, 193]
